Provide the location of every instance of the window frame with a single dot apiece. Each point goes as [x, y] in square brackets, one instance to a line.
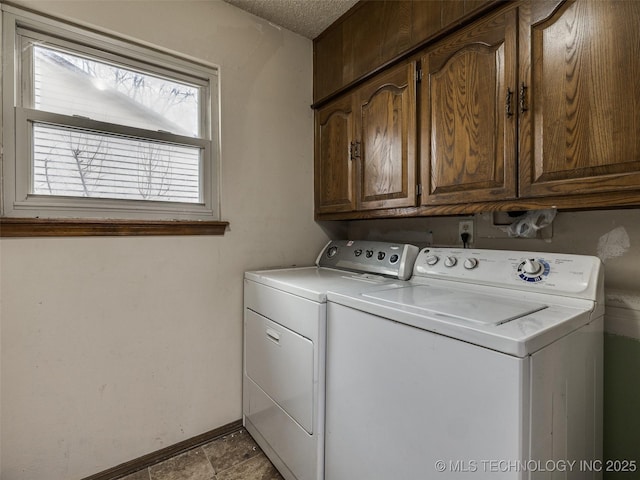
[18, 26]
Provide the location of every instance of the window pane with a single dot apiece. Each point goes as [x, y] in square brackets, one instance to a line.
[71, 162]
[75, 85]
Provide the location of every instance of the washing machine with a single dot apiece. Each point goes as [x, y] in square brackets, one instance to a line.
[284, 346]
[486, 365]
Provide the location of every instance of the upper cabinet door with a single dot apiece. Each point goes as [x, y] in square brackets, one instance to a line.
[374, 35]
[334, 171]
[468, 114]
[386, 140]
[580, 129]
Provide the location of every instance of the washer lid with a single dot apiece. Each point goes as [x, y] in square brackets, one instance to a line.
[313, 283]
[469, 306]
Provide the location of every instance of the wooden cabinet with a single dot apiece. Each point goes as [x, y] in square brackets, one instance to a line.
[386, 137]
[365, 154]
[334, 172]
[374, 33]
[468, 127]
[558, 115]
[580, 128]
[535, 105]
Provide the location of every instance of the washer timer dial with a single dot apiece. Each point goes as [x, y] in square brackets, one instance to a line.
[533, 270]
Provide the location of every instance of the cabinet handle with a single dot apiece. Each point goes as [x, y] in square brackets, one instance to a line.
[508, 102]
[354, 150]
[523, 95]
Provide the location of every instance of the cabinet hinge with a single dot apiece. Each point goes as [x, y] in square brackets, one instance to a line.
[419, 74]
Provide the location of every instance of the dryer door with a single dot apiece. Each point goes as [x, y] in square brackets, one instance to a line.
[280, 362]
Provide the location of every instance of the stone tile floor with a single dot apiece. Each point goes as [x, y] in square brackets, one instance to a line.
[233, 457]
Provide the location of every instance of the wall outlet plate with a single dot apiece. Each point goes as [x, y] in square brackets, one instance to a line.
[465, 226]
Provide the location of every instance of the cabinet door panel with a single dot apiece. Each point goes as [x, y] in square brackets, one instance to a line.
[386, 129]
[426, 19]
[580, 64]
[468, 139]
[334, 174]
[327, 62]
[375, 34]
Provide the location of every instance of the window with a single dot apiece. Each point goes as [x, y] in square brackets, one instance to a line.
[98, 127]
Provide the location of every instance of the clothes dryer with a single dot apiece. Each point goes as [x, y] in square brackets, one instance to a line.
[284, 346]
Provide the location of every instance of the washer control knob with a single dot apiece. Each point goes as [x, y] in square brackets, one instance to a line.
[332, 251]
[358, 252]
[369, 253]
[394, 258]
[470, 263]
[431, 260]
[531, 266]
[381, 255]
[450, 261]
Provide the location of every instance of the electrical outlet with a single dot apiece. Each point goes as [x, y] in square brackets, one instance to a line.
[465, 226]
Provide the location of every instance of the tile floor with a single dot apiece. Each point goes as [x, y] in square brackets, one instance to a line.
[233, 457]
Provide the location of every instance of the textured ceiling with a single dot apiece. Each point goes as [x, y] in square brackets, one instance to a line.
[305, 17]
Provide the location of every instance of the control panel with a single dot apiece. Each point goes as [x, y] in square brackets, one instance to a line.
[383, 258]
[559, 274]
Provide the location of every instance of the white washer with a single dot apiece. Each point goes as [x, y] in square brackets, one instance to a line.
[487, 365]
[284, 346]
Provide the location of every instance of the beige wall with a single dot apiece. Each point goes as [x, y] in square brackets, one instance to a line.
[116, 347]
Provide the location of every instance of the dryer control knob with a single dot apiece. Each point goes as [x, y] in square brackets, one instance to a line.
[450, 262]
[431, 260]
[470, 263]
[531, 266]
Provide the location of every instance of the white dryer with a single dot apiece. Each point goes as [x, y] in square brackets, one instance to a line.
[486, 365]
[284, 346]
